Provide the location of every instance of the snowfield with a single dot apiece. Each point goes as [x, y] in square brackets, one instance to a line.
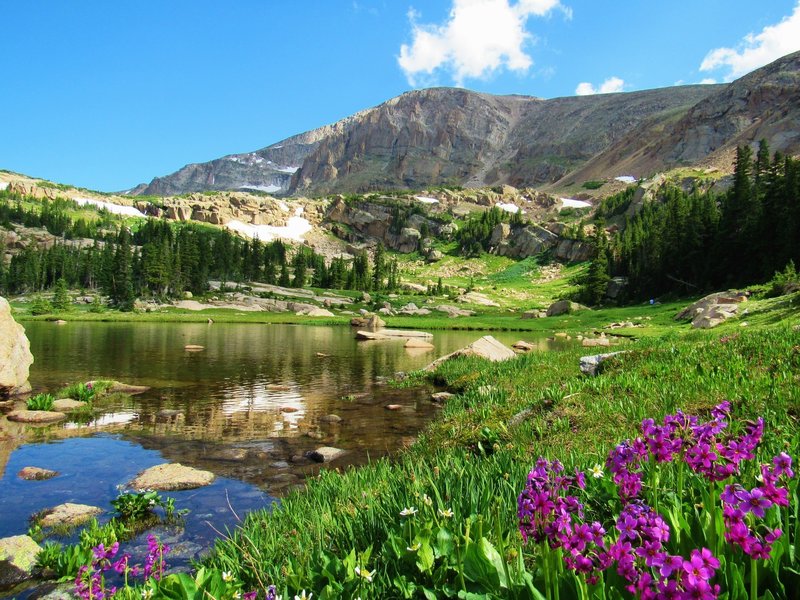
[116, 209]
[426, 199]
[269, 189]
[570, 203]
[626, 179]
[508, 207]
[296, 227]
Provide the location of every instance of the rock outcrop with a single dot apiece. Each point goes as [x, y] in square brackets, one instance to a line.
[15, 354]
[712, 310]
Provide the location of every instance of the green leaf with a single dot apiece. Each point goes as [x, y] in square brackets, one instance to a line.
[429, 594]
[484, 566]
[444, 545]
[178, 586]
[425, 558]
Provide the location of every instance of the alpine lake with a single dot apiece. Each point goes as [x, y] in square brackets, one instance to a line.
[248, 406]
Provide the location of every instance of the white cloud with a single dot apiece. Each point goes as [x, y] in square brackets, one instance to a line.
[479, 38]
[609, 86]
[708, 81]
[757, 49]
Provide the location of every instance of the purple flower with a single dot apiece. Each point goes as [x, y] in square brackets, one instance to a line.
[783, 465]
[755, 502]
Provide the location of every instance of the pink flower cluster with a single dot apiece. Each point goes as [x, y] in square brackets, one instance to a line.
[547, 513]
[754, 538]
[652, 572]
[701, 445]
[90, 582]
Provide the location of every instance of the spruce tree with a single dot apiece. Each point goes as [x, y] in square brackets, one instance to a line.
[61, 300]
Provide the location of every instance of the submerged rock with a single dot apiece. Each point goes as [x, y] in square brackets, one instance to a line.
[170, 477]
[68, 514]
[117, 387]
[418, 343]
[331, 419]
[17, 559]
[36, 474]
[325, 454]
[15, 354]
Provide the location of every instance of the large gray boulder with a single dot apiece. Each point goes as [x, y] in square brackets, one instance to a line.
[712, 310]
[486, 347]
[15, 354]
[563, 307]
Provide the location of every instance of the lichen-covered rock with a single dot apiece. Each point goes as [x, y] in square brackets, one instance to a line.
[17, 559]
[15, 354]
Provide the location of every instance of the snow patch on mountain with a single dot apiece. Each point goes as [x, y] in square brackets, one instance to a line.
[508, 207]
[294, 230]
[269, 189]
[626, 179]
[570, 203]
[116, 209]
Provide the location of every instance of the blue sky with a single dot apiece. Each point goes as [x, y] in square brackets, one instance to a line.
[106, 95]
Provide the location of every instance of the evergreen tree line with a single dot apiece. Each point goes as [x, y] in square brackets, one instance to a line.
[474, 237]
[692, 242]
[163, 259]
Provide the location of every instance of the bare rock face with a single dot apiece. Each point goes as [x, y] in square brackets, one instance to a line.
[15, 354]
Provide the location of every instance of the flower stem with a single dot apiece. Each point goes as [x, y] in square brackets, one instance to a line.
[545, 564]
[753, 579]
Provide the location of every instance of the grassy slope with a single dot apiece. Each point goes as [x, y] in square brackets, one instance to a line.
[568, 416]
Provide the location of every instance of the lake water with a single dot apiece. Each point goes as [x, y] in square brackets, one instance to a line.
[247, 408]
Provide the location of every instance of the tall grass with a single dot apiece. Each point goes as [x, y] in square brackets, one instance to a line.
[473, 461]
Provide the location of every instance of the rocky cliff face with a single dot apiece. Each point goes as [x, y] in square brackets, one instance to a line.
[444, 136]
[267, 170]
[15, 354]
[764, 104]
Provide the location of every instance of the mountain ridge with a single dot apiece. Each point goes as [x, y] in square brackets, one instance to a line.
[453, 136]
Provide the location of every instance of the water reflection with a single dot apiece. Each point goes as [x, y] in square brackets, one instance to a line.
[249, 384]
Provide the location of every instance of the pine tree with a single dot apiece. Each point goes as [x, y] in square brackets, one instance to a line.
[594, 290]
[61, 300]
[379, 268]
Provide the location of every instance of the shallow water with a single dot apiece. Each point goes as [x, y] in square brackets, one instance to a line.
[247, 408]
